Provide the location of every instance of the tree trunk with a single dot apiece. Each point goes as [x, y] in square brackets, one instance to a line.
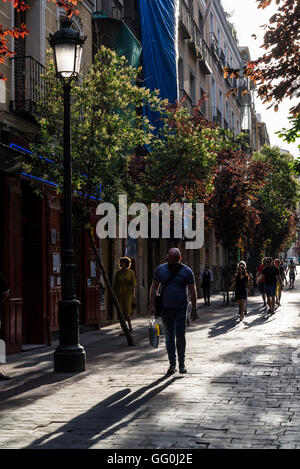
[114, 298]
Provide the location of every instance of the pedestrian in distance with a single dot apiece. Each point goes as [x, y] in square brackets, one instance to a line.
[4, 294]
[124, 286]
[272, 276]
[206, 277]
[292, 269]
[260, 281]
[177, 278]
[279, 285]
[240, 286]
[243, 263]
[282, 271]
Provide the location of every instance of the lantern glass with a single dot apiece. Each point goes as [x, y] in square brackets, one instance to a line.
[78, 58]
[65, 59]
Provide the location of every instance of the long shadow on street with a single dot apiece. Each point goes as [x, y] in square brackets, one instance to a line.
[104, 419]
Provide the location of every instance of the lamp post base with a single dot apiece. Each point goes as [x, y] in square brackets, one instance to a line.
[69, 359]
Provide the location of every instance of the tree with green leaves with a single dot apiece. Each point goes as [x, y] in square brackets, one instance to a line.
[277, 202]
[291, 135]
[107, 126]
[237, 182]
[181, 163]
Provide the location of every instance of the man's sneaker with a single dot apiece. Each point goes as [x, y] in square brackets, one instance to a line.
[182, 370]
[171, 370]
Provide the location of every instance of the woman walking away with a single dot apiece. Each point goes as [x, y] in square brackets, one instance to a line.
[279, 284]
[124, 286]
[206, 277]
[260, 280]
[240, 286]
[282, 272]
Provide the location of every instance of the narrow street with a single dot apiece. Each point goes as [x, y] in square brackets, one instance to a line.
[241, 390]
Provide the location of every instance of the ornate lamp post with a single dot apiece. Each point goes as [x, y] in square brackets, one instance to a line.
[70, 355]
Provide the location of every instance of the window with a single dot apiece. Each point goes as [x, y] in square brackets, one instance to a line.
[203, 105]
[213, 92]
[192, 88]
[181, 73]
[226, 114]
[232, 120]
[219, 38]
[221, 101]
[238, 131]
[112, 9]
[211, 23]
[200, 20]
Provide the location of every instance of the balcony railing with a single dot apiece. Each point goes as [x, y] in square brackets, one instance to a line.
[29, 85]
[185, 20]
[188, 102]
[228, 80]
[196, 41]
[214, 44]
[205, 61]
[222, 58]
[225, 124]
[216, 115]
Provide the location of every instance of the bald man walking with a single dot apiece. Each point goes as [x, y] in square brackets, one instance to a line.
[174, 304]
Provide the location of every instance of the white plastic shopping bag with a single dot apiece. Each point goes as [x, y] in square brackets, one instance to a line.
[154, 332]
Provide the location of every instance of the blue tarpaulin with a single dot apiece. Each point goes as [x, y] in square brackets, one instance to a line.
[158, 31]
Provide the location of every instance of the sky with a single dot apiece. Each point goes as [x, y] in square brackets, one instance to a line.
[247, 19]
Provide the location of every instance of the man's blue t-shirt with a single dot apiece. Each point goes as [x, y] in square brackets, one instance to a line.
[175, 294]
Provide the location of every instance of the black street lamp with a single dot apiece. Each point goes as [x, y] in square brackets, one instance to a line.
[70, 355]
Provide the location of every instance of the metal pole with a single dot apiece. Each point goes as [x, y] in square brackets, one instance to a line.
[69, 356]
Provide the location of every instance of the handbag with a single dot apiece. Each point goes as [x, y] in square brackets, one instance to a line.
[232, 285]
[260, 278]
[154, 332]
[158, 298]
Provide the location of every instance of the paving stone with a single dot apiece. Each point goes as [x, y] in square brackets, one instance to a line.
[241, 390]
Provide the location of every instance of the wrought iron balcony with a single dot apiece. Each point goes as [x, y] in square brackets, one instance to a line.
[195, 43]
[188, 102]
[29, 85]
[185, 20]
[214, 44]
[216, 115]
[205, 61]
[222, 58]
[228, 80]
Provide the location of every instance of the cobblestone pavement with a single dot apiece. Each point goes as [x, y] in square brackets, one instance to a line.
[241, 390]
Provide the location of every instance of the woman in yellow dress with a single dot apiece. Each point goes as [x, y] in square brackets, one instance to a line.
[124, 286]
